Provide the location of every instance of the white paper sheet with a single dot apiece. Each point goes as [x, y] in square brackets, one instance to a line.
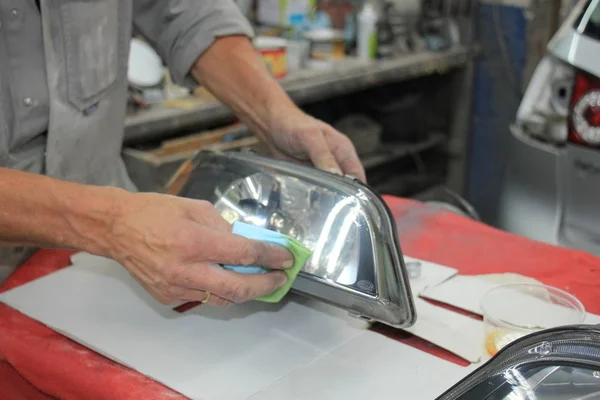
[370, 366]
[302, 346]
[454, 332]
[207, 353]
[296, 350]
[432, 274]
[592, 319]
[466, 292]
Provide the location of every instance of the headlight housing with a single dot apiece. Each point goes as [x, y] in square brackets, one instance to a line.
[356, 264]
[560, 363]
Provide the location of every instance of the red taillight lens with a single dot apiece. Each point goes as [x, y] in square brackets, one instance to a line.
[584, 124]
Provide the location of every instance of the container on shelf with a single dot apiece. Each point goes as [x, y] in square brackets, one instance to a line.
[298, 52]
[282, 13]
[273, 51]
[367, 32]
[326, 44]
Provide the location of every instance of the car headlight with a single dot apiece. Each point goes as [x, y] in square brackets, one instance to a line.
[560, 363]
[356, 264]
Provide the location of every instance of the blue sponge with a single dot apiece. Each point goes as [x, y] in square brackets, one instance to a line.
[299, 251]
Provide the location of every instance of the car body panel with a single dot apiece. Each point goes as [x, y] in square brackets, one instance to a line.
[572, 45]
[580, 181]
[529, 202]
[578, 50]
[551, 188]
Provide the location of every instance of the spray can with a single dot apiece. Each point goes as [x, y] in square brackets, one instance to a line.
[367, 32]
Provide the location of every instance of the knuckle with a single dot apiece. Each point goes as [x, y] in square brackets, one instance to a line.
[183, 241]
[270, 255]
[323, 152]
[155, 280]
[203, 204]
[241, 293]
[200, 207]
[161, 286]
[221, 302]
[248, 254]
[173, 275]
[206, 205]
[221, 286]
[175, 293]
[347, 144]
[164, 299]
[166, 293]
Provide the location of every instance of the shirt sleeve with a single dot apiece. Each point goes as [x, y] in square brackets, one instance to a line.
[181, 30]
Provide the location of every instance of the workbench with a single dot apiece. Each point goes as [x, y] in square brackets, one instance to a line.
[38, 363]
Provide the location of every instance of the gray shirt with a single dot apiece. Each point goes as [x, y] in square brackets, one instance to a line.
[63, 79]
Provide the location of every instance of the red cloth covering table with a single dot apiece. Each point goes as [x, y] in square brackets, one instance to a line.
[38, 363]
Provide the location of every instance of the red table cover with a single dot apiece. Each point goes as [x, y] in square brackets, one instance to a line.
[38, 363]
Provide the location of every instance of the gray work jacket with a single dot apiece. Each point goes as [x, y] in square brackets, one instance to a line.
[63, 80]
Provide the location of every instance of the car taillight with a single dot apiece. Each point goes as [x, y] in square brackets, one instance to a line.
[585, 110]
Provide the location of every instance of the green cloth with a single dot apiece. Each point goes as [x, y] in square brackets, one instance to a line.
[301, 256]
[299, 251]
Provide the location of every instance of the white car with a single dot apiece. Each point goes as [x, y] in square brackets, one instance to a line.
[551, 190]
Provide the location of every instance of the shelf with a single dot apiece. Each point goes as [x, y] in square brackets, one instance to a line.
[396, 151]
[303, 86]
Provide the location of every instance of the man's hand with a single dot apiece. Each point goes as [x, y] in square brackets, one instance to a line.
[232, 70]
[173, 246]
[299, 137]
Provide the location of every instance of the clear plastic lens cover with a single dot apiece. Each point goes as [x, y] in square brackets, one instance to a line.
[326, 221]
[356, 261]
[559, 363]
[542, 382]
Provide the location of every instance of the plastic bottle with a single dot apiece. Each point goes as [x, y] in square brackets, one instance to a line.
[367, 32]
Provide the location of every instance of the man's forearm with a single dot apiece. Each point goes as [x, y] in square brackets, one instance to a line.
[40, 211]
[233, 71]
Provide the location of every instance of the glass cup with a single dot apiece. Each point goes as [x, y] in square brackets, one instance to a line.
[515, 310]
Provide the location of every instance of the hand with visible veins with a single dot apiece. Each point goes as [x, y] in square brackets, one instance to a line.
[173, 247]
[232, 70]
[299, 137]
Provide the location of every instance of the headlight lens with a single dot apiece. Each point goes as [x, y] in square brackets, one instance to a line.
[324, 220]
[560, 363]
[356, 262]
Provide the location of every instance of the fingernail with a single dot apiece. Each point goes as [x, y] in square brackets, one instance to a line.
[335, 171]
[282, 279]
[288, 263]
